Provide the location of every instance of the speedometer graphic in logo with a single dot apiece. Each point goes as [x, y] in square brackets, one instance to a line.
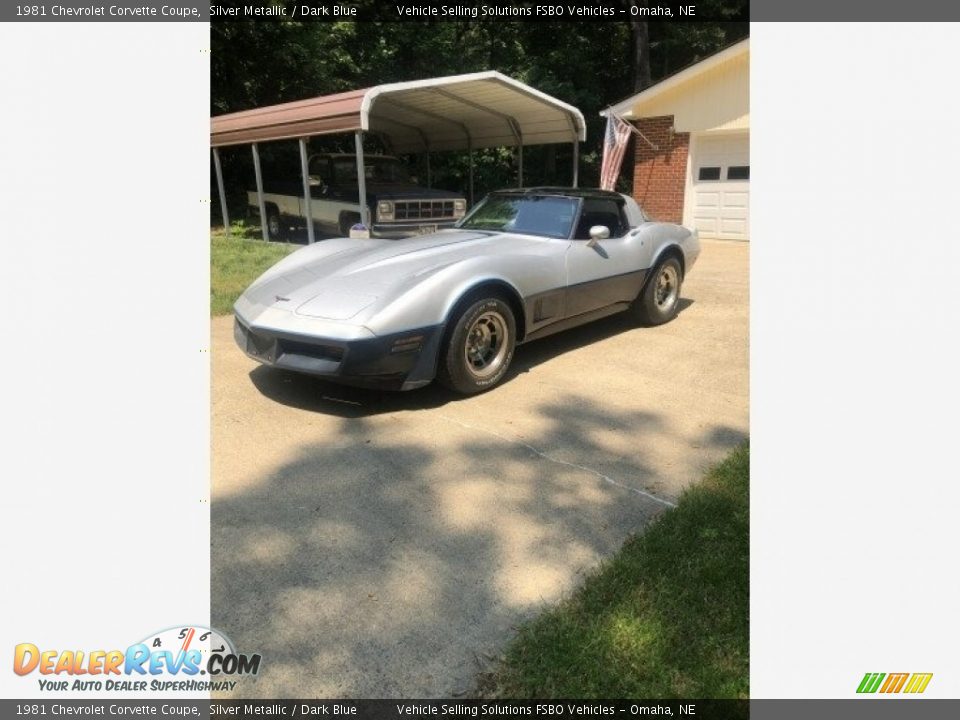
[199, 649]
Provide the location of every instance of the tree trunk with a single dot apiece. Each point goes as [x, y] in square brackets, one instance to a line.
[550, 163]
[641, 53]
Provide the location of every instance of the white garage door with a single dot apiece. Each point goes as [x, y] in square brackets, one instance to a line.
[718, 203]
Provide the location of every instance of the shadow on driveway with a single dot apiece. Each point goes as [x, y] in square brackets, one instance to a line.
[311, 393]
[393, 567]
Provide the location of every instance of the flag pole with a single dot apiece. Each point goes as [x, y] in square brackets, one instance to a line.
[608, 112]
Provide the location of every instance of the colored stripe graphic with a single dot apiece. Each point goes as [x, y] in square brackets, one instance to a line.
[894, 682]
[870, 682]
[918, 682]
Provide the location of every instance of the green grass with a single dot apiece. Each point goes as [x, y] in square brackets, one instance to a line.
[666, 617]
[237, 262]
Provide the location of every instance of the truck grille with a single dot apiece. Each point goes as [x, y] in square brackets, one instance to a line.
[423, 209]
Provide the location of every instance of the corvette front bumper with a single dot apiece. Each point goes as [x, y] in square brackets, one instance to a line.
[400, 361]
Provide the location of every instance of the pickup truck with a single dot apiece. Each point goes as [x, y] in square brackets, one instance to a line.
[398, 206]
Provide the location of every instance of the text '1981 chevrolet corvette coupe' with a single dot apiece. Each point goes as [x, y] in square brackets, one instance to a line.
[454, 304]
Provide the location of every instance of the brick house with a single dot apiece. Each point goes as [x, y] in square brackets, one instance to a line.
[699, 119]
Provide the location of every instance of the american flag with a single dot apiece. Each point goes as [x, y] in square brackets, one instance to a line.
[614, 144]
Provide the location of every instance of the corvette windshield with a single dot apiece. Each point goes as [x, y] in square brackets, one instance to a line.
[546, 215]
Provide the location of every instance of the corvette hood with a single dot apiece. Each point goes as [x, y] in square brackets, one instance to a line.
[339, 285]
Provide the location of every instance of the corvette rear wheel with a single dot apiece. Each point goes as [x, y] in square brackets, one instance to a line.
[660, 300]
[478, 350]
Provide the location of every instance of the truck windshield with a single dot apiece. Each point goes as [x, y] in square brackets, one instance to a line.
[375, 170]
[545, 215]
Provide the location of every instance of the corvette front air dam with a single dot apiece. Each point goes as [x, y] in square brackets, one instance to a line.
[399, 361]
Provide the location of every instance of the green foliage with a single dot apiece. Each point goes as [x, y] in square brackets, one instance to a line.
[586, 64]
[667, 617]
[239, 229]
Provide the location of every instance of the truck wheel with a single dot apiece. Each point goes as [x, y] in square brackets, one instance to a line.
[347, 221]
[274, 224]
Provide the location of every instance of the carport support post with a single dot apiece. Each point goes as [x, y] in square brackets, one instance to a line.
[362, 181]
[470, 156]
[520, 164]
[305, 172]
[223, 194]
[263, 207]
[576, 162]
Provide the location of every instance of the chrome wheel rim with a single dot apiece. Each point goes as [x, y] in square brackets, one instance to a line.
[485, 348]
[667, 288]
[273, 225]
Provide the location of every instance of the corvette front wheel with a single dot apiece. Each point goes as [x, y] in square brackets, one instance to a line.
[478, 350]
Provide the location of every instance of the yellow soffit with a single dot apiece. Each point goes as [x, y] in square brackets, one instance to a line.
[713, 93]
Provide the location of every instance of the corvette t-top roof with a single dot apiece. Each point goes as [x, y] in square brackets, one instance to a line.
[561, 192]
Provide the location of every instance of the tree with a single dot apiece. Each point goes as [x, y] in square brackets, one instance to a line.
[590, 65]
[640, 36]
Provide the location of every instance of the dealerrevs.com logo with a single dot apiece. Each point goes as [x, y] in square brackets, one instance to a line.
[185, 658]
[911, 683]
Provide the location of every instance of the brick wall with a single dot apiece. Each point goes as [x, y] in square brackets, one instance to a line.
[659, 176]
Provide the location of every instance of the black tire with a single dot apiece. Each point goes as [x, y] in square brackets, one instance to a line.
[478, 348]
[275, 229]
[347, 221]
[659, 300]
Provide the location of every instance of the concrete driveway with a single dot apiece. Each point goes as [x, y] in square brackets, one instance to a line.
[386, 545]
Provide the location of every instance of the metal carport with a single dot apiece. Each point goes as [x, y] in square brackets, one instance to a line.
[458, 112]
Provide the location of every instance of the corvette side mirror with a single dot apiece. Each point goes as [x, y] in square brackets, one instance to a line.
[598, 233]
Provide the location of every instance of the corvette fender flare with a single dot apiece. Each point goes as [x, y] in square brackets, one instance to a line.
[502, 286]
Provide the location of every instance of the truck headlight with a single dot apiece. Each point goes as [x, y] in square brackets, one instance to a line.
[385, 210]
[459, 208]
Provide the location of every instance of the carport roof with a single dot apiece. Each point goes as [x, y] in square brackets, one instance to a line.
[457, 112]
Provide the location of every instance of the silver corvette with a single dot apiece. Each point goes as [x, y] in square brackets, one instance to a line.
[453, 305]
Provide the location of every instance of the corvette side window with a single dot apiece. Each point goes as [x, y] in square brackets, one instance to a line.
[598, 211]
